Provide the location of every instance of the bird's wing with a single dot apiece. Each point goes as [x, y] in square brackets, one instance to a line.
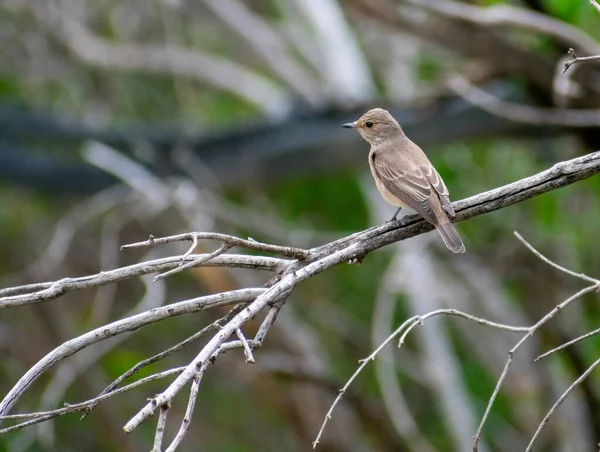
[437, 183]
[407, 182]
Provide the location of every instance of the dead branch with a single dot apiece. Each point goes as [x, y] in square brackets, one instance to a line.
[41, 292]
[82, 407]
[575, 59]
[567, 344]
[418, 320]
[511, 16]
[560, 400]
[252, 244]
[405, 328]
[251, 302]
[523, 113]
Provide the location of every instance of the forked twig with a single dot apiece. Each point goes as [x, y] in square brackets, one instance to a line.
[287, 251]
[407, 326]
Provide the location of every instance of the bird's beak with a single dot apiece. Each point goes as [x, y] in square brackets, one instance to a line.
[350, 125]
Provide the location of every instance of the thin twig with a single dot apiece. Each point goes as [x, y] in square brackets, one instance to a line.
[231, 240]
[131, 323]
[576, 59]
[160, 428]
[185, 424]
[559, 402]
[247, 349]
[554, 264]
[222, 249]
[41, 292]
[190, 250]
[565, 345]
[146, 362]
[82, 406]
[514, 350]
[407, 326]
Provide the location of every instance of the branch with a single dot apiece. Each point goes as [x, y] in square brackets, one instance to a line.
[411, 323]
[559, 402]
[532, 330]
[505, 15]
[40, 292]
[567, 344]
[119, 327]
[523, 113]
[195, 263]
[36, 418]
[160, 429]
[515, 349]
[185, 424]
[406, 328]
[146, 362]
[554, 264]
[251, 302]
[252, 244]
[576, 59]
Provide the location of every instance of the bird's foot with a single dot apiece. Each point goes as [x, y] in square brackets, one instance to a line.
[395, 215]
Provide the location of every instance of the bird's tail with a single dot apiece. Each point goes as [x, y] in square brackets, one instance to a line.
[451, 237]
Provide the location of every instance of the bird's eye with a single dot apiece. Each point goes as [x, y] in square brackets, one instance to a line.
[369, 124]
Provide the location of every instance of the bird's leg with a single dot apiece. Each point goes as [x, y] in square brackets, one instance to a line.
[395, 215]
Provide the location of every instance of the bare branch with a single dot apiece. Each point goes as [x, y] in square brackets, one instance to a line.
[247, 348]
[554, 264]
[195, 263]
[119, 327]
[595, 4]
[576, 59]
[405, 328]
[82, 406]
[250, 302]
[286, 251]
[505, 15]
[513, 350]
[559, 402]
[40, 292]
[409, 324]
[523, 113]
[185, 424]
[160, 429]
[565, 345]
[146, 362]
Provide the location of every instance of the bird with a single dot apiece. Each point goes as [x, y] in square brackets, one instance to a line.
[404, 175]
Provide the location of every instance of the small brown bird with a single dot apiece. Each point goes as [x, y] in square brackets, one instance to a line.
[404, 175]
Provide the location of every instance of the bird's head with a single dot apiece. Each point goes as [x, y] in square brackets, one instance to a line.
[376, 125]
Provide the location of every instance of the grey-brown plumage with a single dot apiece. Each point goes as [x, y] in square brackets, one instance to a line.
[404, 175]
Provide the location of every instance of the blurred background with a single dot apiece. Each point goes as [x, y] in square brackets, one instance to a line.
[120, 119]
